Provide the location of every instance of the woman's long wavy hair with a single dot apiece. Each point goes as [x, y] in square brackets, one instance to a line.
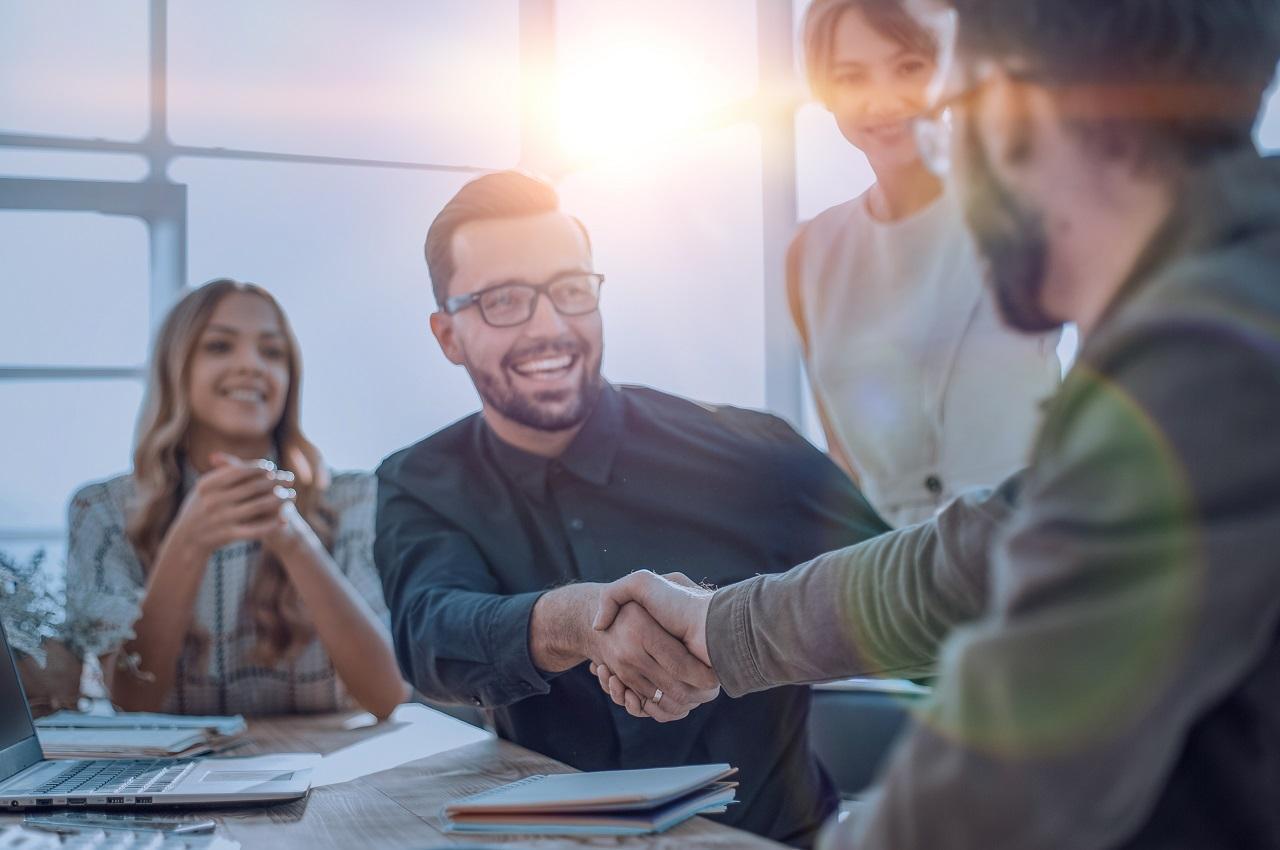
[159, 457]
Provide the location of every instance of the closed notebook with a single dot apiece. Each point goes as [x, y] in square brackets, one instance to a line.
[221, 726]
[70, 734]
[121, 743]
[619, 802]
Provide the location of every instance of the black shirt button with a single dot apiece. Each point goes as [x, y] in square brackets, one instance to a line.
[576, 524]
[933, 484]
[476, 701]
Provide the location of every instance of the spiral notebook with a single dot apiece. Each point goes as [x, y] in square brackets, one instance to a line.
[618, 802]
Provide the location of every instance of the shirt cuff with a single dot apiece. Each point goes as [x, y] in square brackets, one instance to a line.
[729, 643]
[508, 638]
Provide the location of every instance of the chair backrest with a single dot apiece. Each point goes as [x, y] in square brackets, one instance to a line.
[853, 732]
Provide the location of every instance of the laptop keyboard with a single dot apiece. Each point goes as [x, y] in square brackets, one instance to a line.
[114, 776]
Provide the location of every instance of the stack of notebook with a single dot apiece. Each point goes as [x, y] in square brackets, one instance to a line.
[71, 734]
[620, 802]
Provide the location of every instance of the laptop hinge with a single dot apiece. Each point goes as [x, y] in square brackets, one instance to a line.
[16, 758]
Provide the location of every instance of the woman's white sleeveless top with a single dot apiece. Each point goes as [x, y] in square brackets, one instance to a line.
[927, 391]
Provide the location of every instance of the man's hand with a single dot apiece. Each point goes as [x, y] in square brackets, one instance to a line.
[677, 604]
[674, 600]
[664, 681]
[667, 681]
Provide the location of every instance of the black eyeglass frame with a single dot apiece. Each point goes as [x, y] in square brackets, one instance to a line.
[458, 303]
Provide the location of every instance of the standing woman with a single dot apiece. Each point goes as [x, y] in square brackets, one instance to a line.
[229, 572]
[921, 389]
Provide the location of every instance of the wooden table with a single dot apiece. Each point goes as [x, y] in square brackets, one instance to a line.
[399, 808]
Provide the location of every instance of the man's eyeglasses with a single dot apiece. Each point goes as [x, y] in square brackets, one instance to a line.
[934, 127]
[509, 304]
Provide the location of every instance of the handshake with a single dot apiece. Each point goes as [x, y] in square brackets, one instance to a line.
[651, 645]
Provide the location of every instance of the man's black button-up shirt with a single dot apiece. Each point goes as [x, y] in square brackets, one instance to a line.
[471, 531]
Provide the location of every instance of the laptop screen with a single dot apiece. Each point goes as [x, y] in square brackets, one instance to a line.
[15, 716]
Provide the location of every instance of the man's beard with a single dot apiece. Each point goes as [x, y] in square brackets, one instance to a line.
[541, 410]
[1010, 236]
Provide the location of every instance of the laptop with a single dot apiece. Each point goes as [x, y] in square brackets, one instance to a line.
[30, 781]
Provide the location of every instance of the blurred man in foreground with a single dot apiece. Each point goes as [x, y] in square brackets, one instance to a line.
[1104, 626]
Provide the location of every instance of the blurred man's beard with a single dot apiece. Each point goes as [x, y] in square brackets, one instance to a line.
[544, 410]
[1010, 236]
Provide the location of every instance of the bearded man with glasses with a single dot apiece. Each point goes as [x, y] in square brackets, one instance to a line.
[496, 535]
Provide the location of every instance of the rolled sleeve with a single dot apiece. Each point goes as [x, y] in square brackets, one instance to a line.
[728, 638]
[880, 608]
[457, 637]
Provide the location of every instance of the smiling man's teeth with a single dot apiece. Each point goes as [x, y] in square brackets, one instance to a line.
[551, 364]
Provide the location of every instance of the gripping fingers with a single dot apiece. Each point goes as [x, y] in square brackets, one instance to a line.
[232, 477]
[633, 680]
[263, 506]
[629, 699]
[614, 596]
[689, 674]
[664, 713]
[616, 690]
[634, 705]
[261, 482]
[603, 674]
[256, 529]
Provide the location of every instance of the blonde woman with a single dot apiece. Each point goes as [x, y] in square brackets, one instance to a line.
[921, 389]
[230, 572]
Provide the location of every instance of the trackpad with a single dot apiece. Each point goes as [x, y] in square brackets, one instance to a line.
[247, 776]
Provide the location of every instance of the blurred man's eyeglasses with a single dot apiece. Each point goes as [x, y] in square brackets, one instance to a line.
[509, 304]
[934, 128]
[953, 85]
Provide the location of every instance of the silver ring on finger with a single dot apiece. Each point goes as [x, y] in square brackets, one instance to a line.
[657, 696]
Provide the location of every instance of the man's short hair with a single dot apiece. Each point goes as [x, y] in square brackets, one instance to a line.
[503, 194]
[1138, 78]
[887, 17]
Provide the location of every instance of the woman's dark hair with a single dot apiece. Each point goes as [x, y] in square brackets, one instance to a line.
[887, 17]
[1143, 78]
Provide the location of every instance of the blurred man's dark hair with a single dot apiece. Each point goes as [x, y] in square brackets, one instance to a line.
[1140, 79]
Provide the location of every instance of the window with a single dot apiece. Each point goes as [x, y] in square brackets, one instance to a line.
[74, 68]
[323, 196]
[341, 247]
[84, 304]
[404, 80]
[684, 302]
